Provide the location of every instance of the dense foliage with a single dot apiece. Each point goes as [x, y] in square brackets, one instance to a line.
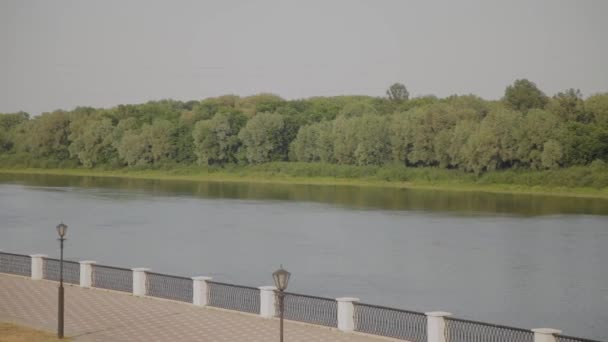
[525, 130]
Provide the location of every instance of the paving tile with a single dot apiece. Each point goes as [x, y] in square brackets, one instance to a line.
[99, 315]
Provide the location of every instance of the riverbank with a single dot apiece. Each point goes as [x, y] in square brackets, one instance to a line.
[523, 182]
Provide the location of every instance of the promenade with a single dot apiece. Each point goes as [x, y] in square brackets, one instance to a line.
[102, 315]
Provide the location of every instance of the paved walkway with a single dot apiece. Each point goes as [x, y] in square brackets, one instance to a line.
[99, 315]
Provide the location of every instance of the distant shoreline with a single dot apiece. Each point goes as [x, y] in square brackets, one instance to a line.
[250, 175]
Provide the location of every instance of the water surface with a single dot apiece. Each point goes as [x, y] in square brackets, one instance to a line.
[523, 260]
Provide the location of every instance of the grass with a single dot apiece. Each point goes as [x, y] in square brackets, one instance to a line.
[16, 333]
[562, 183]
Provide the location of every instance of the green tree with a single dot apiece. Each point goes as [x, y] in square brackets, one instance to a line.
[493, 145]
[262, 138]
[346, 140]
[582, 143]
[398, 93]
[597, 108]
[92, 144]
[536, 128]
[147, 146]
[47, 136]
[401, 132]
[133, 149]
[216, 141]
[524, 95]
[551, 155]
[373, 146]
[357, 109]
[568, 106]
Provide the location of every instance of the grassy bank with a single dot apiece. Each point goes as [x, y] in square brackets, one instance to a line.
[579, 181]
[16, 333]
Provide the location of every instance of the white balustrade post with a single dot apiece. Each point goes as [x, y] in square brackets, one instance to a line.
[200, 290]
[268, 302]
[38, 266]
[86, 273]
[139, 281]
[346, 313]
[435, 326]
[545, 334]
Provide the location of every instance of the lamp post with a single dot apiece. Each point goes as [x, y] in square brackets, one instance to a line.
[281, 279]
[62, 229]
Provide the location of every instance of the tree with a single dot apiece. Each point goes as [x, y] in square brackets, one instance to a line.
[401, 136]
[373, 147]
[597, 107]
[216, 140]
[582, 144]
[92, 144]
[536, 128]
[397, 92]
[568, 106]
[551, 155]
[149, 145]
[47, 136]
[346, 140]
[133, 149]
[493, 145]
[262, 138]
[524, 95]
[357, 109]
[9, 121]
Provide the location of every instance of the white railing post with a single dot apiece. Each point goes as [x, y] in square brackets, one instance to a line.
[86, 273]
[38, 266]
[268, 301]
[545, 334]
[435, 325]
[346, 313]
[200, 290]
[139, 281]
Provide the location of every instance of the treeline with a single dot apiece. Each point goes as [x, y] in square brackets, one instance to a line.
[526, 129]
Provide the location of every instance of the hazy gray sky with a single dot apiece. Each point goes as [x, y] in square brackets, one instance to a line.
[60, 54]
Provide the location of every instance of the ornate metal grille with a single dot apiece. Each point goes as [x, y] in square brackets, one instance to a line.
[170, 287]
[16, 264]
[71, 270]
[379, 320]
[234, 297]
[461, 330]
[310, 309]
[564, 338]
[113, 278]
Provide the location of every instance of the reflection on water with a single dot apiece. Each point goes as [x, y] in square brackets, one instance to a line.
[465, 202]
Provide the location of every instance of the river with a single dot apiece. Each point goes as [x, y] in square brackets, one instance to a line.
[523, 260]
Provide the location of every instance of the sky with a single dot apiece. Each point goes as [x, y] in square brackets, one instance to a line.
[66, 53]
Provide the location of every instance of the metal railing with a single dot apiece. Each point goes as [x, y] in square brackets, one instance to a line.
[462, 330]
[564, 338]
[390, 322]
[16, 264]
[169, 287]
[310, 309]
[112, 278]
[370, 319]
[234, 297]
[71, 270]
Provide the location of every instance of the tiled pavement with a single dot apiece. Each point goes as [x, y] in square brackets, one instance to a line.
[99, 315]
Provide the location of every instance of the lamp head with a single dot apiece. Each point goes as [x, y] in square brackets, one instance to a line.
[281, 278]
[62, 229]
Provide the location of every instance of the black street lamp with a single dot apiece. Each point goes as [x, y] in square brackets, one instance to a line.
[62, 229]
[281, 279]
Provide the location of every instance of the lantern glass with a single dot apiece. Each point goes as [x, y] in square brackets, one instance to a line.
[62, 229]
[281, 278]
